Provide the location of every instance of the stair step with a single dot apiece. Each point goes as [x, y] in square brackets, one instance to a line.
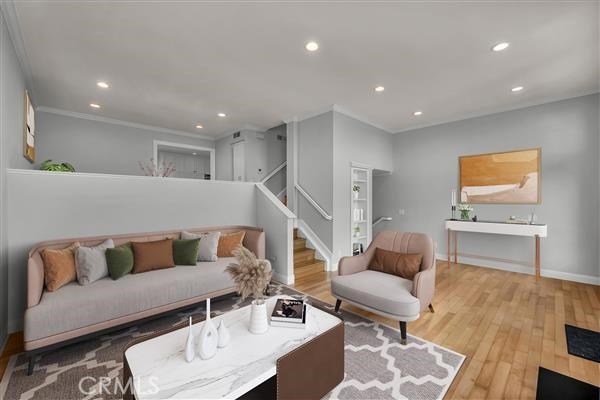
[304, 255]
[299, 244]
[315, 268]
[295, 233]
[307, 263]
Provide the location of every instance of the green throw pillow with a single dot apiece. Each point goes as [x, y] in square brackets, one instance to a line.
[185, 252]
[119, 260]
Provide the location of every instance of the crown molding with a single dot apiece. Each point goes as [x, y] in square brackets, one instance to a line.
[9, 12]
[113, 121]
[246, 127]
[339, 109]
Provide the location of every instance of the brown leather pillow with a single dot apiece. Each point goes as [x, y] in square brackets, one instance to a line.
[401, 264]
[59, 266]
[148, 256]
[228, 242]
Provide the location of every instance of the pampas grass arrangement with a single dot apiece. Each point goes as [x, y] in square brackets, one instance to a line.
[249, 274]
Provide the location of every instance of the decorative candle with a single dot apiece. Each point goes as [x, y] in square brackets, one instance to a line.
[453, 199]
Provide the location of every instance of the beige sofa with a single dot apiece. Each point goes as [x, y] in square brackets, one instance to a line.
[75, 311]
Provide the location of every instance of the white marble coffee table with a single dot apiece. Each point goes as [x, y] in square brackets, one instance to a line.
[159, 370]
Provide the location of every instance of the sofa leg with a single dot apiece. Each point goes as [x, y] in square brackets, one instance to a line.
[267, 290]
[402, 332]
[31, 362]
[431, 308]
[338, 303]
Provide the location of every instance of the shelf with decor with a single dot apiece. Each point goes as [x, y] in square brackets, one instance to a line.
[360, 209]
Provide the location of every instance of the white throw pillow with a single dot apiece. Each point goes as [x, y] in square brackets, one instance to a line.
[207, 249]
[91, 262]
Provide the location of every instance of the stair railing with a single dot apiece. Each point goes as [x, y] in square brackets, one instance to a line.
[275, 171]
[312, 201]
[381, 219]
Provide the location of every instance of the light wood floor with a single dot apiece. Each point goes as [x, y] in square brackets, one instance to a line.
[507, 325]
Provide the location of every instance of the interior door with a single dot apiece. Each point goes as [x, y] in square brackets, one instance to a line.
[239, 161]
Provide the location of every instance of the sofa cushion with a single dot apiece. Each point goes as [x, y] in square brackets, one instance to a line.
[207, 250]
[59, 266]
[148, 256]
[380, 291]
[400, 264]
[90, 262]
[228, 242]
[119, 260]
[76, 306]
[185, 251]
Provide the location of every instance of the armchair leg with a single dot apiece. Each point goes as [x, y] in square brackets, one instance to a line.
[338, 303]
[31, 362]
[402, 332]
[431, 308]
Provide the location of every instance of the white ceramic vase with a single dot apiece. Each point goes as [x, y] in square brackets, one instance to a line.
[356, 194]
[208, 337]
[259, 322]
[224, 336]
[190, 350]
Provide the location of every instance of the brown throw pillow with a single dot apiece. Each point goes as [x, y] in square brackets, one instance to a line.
[59, 266]
[148, 256]
[401, 264]
[228, 242]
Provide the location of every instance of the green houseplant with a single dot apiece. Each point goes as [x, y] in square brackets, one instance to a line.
[50, 165]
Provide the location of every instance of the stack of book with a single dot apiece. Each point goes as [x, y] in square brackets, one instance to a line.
[289, 313]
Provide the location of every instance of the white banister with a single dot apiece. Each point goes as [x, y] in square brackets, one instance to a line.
[381, 219]
[313, 203]
[272, 173]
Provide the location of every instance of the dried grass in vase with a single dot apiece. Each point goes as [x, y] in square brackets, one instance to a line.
[249, 274]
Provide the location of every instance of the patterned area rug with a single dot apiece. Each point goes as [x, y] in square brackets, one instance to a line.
[376, 365]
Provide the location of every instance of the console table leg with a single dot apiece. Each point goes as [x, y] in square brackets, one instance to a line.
[537, 257]
[448, 248]
[455, 247]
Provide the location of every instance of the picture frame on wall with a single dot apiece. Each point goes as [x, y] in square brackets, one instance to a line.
[29, 130]
[508, 177]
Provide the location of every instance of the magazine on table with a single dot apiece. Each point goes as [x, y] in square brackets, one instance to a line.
[289, 311]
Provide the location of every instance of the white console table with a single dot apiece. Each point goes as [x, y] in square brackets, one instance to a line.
[536, 231]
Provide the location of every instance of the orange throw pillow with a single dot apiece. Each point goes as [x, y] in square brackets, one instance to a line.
[228, 242]
[400, 264]
[148, 256]
[59, 266]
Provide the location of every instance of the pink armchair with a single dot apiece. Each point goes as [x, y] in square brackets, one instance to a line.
[384, 294]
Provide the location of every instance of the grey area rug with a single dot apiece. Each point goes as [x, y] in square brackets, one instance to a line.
[376, 365]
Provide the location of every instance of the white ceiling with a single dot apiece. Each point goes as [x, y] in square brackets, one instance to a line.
[174, 65]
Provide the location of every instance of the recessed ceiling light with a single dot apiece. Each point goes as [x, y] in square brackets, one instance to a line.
[517, 88]
[194, 154]
[417, 113]
[312, 46]
[102, 84]
[222, 115]
[379, 89]
[500, 46]
[199, 127]
[94, 105]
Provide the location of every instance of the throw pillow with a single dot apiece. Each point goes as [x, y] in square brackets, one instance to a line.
[148, 256]
[59, 266]
[401, 264]
[119, 261]
[90, 262]
[185, 251]
[228, 242]
[207, 251]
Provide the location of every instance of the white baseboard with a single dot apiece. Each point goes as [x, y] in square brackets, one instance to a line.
[322, 252]
[504, 266]
[280, 278]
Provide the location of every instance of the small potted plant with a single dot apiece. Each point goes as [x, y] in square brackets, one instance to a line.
[356, 190]
[356, 231]
[465, 209]
[50, 165]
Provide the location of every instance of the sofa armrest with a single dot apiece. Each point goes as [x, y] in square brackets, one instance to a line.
[424, 286]
[352, 265]
[35, 279]
[254, 240]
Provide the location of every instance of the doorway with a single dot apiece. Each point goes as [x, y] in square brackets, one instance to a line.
[189, 161]
[238, 150]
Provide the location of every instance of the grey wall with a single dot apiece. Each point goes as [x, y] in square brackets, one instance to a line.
[354, 141]
[426, 169]
[91, 204]
[186, 165]
[12, 108]
[315, 172]
[276, 154]
[255, 156]
[99, 147]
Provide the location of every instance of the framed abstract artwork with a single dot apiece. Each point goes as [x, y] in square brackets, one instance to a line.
[509, 177]
[29, 130]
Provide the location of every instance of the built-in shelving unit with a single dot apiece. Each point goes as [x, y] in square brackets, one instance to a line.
[360, 210]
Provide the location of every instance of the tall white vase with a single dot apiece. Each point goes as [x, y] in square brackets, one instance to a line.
[259, 322]
[224, 336]
[208, 337]
[190, 350]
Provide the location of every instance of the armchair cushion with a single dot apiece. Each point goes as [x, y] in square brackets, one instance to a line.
[379, 291]
[400, 264]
